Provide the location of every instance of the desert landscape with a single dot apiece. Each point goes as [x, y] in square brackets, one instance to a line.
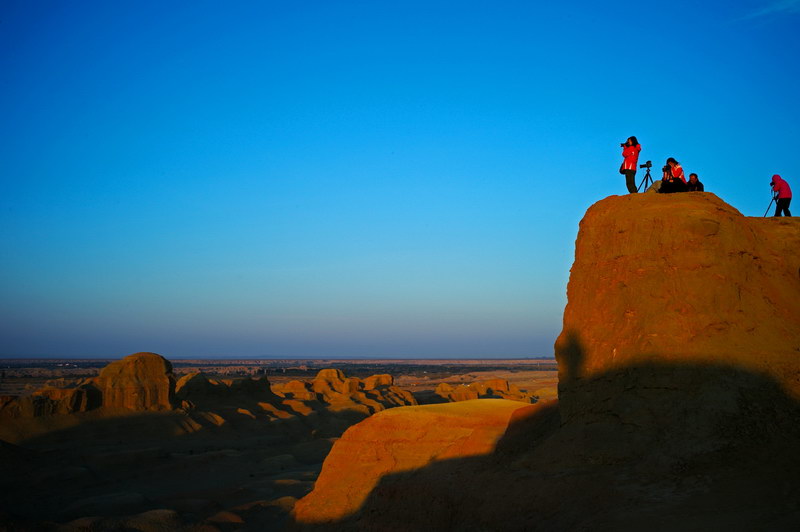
[419, 266]
[204, 444]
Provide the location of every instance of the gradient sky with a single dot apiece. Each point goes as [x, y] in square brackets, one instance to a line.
[303, 178]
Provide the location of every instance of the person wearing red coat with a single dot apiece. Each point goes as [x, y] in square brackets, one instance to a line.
[674, 179]
[784, 195]
[630, 160]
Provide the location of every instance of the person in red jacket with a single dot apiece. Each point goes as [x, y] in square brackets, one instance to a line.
[784, 195]
[673, 180]
[630, 154]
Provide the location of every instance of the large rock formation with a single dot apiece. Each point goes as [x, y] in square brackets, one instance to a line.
[142, 381]
[680, 278]
[409, 438]
[138, 382]
[678, 393]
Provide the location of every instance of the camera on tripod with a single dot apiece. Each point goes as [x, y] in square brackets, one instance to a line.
[648, 164]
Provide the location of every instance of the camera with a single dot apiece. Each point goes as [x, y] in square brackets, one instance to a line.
[623, 144]
[648, 164]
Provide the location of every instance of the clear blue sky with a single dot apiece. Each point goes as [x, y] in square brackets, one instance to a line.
[373, 178]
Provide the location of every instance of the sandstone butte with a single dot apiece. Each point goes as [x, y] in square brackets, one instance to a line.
[398, 440]
[142, 381]
[678, 401]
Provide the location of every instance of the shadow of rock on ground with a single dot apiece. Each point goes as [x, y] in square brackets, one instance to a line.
[181, 469]
[655, 446]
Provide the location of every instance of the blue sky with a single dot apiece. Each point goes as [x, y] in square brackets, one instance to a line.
[353, 178]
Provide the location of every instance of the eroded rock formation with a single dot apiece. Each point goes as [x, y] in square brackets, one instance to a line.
[139, 382]
[410, 438]
[488, 389]
[681, 279]
[337, 392]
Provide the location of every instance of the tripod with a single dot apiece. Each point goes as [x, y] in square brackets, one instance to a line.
[770, 205]
[646, 181]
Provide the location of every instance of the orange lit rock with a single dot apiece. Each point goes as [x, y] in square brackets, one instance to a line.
[142, 381]
[490, 389]
[681, 278]
[397, 440]
[375, 381]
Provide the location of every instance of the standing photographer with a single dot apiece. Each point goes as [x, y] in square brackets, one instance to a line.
[784, 195]
[630, 154]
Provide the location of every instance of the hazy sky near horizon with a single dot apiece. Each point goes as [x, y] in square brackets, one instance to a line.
[323, 178]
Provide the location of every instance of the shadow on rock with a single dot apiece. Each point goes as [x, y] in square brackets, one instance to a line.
[657, 446]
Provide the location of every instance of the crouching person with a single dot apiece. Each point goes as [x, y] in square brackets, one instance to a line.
[694, 184]
[673, 179]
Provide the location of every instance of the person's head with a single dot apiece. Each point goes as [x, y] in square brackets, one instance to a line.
[672, 162]
[693, 178]
[632, 141]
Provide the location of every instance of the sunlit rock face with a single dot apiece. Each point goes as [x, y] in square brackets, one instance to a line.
[139, 382]
[142, 381]
[401, 439]
[680, 278]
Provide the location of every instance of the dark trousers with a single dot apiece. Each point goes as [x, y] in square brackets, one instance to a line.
[783, 206]
[676, 185]
[630, 180]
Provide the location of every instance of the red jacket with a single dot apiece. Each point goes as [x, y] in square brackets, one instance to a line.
[677, 173]
[781, 187]
[631, 154]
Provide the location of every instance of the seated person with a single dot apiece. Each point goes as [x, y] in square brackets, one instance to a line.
[694, 185]
[673, 179]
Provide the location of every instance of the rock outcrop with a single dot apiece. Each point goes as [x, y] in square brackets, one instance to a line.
[684, 279]
[410, 438]
[139, 382]
[334, 391]
[678, 394]
[488, 389]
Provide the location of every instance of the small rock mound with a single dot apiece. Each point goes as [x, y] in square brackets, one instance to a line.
[376, 381]
[488, 389]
